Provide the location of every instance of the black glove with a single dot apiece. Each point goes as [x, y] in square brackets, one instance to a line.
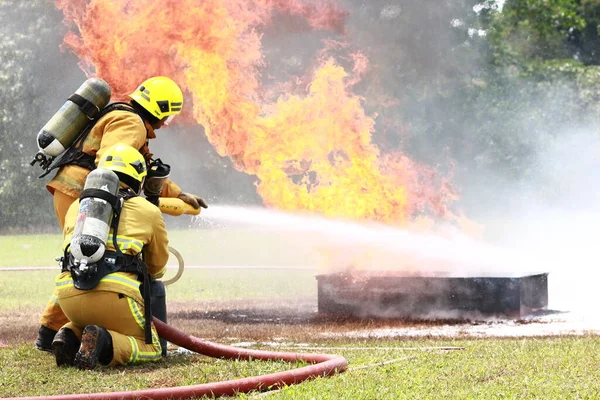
[192, 200]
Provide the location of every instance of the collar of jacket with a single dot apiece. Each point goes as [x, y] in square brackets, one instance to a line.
[149, 131]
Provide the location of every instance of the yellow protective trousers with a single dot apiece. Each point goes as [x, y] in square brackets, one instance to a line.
[62, 202]
[53, 317]
[121, 315]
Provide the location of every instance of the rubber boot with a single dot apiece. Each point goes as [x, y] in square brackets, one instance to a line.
[45, 338]
[96, 347]
[65, 346]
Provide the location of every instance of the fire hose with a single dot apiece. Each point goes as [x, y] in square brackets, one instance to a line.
[324, 365]
[179, 269]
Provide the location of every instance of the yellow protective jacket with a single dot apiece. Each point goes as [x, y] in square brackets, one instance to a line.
[141, 229]
[117, 126]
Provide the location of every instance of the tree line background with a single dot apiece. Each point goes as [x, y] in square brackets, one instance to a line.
[493, 91]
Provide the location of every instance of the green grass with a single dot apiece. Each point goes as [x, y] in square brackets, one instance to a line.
[28, 372]
[486, 369]
[551, 368]
[198, 247]
[29, 250]
[195, 284]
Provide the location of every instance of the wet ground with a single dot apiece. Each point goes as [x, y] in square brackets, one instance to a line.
[292, 319]
[552, 324]
[298, 321]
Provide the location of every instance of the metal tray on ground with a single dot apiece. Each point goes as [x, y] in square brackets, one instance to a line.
[392, 294]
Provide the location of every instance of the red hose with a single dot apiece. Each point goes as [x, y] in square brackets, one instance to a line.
[324, 365]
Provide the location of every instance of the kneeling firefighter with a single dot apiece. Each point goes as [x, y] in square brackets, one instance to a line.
[114, 242]
[152, 106]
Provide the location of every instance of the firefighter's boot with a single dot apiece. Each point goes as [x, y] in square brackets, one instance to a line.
[96, 347]
[45, 338]
[65, 346]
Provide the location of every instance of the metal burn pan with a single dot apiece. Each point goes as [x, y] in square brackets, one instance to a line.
[388, 294]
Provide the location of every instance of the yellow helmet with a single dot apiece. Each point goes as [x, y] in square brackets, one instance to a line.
[127, 162]
[160, 96]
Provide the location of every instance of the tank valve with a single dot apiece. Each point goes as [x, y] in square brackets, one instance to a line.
[42, 159]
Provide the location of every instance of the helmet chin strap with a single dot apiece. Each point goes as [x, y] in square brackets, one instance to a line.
[169, 119]
[141, 186]
[129, 183]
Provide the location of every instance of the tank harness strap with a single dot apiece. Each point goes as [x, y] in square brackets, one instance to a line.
[75, 155]
[147, 295]
[126, 194]
[86, 106]
[114, 201]
[115, 262]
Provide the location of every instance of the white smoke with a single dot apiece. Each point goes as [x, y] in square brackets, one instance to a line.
[558, 218]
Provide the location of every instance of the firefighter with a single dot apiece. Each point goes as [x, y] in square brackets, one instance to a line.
[152, 105]
[107, 321]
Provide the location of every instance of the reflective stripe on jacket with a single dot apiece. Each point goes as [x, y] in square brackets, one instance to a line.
[119, 282]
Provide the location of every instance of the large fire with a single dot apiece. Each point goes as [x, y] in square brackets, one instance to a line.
[310, 152]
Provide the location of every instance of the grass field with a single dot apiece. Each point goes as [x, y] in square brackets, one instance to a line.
[198, 247]
[553, 368]
[263, 306]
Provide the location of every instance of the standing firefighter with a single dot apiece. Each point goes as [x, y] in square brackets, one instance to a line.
[153, 105]
[101, 294]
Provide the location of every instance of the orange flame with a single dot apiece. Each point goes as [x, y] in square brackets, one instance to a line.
[311, 152]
